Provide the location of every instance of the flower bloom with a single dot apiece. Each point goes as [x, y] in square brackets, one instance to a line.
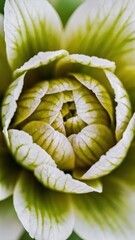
[68, 119]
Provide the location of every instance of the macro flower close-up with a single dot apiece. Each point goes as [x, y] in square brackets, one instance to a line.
[67, 139]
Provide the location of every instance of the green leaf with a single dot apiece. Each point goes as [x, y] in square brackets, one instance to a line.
[40, 210]
[114, 156]
[34, 26]
[93, 141]
[111, 214]
[112, 37]
[53, 142]
[10, 227]
[25, 236]
[74, 237]
[123, 109]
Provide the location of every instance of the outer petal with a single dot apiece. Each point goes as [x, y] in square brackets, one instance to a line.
[111, 214]
[10, 227]
[5, 73]
[34, 26]
[45, 214]
[9, 171]
[107, 33]
[114, 156]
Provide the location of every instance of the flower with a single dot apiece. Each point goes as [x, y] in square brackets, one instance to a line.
[68, 119]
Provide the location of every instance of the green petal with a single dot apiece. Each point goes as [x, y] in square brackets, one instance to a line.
[9, 171]
[5, 73]
[29, 101]
[114, 157]
[56, 179]
[53, 142]
[15, 89]
[9, 104]
[34, 26]
[100, 92]
[123, 109]
[91, 143]
[33, 157]
[48, 109]
[109, 215]
[112, 37]
[27, 153]
[88, 107]
[40, 210]
[84, 60]
[10, 227]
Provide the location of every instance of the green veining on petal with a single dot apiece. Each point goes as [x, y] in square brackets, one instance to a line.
[90, 143]
[88, 107]
[53, 142]
[62, 84]
[56, 179]
[48, 109]
[9, 104]
[58, 124]
[114, 156]
[74, 125]
[100, 92]
[29, 101]
[40, 210]
[27, 153]
[36, 28]
[123, 109]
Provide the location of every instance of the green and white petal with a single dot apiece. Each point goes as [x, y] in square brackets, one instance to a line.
[5, 73]
[34, 26]
[29, 101]
[53, 142]
[9, 104]
[62, 84]
[99, 91]
[9, 171]
[48, 109]
[114, 156]
[53, 178]
[91, 143]
[112, 37]
[88, 107]
[40, 210]
[67, 63]
[111, 214]
[123, 109]
[10, 226]
[25, 152]
[41, 59]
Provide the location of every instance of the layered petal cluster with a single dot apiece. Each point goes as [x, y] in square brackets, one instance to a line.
[68, 119]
